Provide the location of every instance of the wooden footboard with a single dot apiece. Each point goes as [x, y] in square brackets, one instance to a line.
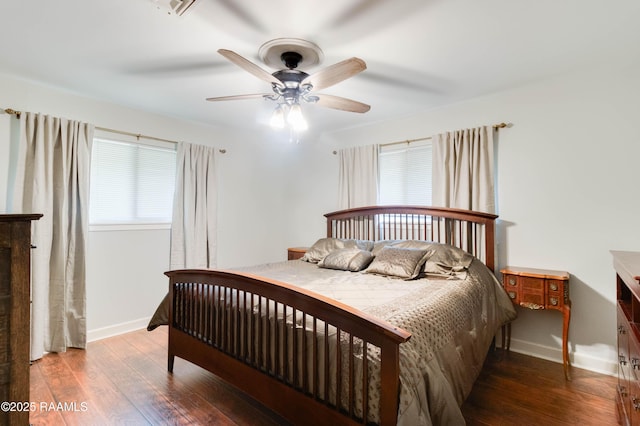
[309, 358]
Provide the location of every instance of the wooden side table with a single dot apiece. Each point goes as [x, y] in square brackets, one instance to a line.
[539, 289]
[294, 253]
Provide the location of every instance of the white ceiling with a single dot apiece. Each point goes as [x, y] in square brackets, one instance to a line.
[420, 54]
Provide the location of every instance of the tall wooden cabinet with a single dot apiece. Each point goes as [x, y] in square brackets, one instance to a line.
[627, 267]
[15, 272]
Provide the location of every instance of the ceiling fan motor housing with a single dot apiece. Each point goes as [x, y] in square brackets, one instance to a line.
[291, 59]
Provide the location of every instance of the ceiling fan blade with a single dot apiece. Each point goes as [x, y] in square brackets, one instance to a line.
[239, 97]
[335, 73]
[344, 104]
[249, 66]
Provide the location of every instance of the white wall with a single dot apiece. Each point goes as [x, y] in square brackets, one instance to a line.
[125, 269]
[568, 192]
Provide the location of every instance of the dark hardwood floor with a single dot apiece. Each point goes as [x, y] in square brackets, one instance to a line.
[123, 380]
[516, 389]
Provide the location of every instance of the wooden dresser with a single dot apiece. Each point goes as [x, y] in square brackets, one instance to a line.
[627, 267]
[15, 272]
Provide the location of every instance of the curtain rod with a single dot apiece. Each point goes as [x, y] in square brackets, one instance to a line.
[120, 132]
[495, 127]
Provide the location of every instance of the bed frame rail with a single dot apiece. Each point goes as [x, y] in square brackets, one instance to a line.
[271, 342]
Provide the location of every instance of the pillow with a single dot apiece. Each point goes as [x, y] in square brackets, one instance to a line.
[448, 261]
[347, 259]
[399, 262]
[321, 248]
[379, 245]
[413, 244]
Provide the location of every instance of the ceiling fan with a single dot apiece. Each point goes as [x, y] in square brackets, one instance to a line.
[291, 86]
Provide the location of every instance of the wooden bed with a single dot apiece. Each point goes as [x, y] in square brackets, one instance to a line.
[212, 323]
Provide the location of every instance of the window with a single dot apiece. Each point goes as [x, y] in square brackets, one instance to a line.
[131, 183]
[405, 174]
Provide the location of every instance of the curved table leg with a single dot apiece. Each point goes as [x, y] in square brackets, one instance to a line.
[566, 314]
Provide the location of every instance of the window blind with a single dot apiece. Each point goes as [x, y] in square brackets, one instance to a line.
[131, 183]
[405, 174]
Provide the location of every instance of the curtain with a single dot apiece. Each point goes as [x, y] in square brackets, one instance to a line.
[463, 175]
[193, 229]
[358, 177]
[52, 177]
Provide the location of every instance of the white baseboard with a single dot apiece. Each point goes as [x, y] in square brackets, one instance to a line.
[114, 330]
[579, 360]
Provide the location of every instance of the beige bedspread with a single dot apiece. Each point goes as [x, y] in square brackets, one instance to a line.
[452, 321]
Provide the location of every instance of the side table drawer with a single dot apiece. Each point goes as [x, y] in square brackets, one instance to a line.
[555, 294]
[512, 288]
[532, 292]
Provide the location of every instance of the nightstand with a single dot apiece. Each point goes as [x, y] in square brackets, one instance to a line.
[539, 289]
[294, 253]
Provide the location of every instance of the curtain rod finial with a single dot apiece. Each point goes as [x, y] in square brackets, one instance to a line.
[13, 112]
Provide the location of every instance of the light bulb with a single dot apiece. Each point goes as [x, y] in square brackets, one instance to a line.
[296, 119]
[277, 118]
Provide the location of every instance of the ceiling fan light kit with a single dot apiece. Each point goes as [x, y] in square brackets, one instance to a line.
[290, 86]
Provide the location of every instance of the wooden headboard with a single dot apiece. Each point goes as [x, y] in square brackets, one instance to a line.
[471, 231]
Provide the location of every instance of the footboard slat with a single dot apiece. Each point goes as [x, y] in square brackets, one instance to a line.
[325, 360]
[295, 350]
[222, 310]
[365, 389]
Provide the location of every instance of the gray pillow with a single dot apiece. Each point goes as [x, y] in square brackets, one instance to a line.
[399, 262]
[321, 248]
[379, 245]
[447, 260]
[413, 244]
[347, 259]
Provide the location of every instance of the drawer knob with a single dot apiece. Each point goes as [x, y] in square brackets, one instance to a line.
[512, 294]
[554, 301]
[553, 286]
[512, 281]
